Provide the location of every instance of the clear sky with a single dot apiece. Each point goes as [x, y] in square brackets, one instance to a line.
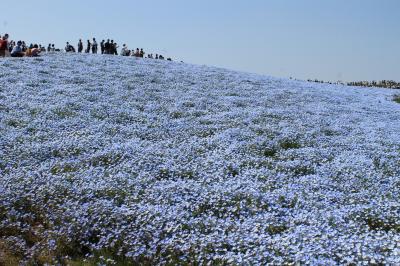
[325, 39]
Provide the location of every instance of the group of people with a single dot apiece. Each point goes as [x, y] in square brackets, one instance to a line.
[20, 49]
[90, 47]
[52, 48]
[106, 47]
[109, 47]
[139, 53]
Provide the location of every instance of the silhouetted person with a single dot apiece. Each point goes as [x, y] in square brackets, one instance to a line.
[80, 46]
[94, 46]
[141, 53]
[115, 49]
[68, 48]
[107, 47]
[89, 45]
[102, 46]
[112, 47]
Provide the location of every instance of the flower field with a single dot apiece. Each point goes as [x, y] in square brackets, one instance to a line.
[116, 160]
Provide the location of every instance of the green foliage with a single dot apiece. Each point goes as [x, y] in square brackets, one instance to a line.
[303, 170]
[15, 123]
[177, 115]
[206, 133]
[64, 112]
[7, 258]
[329, 132]
[232, 171]
[276, 229]
[106, 160]
[378, 224]
[290, 144]
[63, 169]
[390, 84]
[269, 152]
[166, 174]
[396, 98]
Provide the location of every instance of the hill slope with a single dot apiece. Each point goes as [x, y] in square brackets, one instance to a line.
[151, 161]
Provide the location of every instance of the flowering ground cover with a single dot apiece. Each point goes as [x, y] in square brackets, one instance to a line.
[123, 161]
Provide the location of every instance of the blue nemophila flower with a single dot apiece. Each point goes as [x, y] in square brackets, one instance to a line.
[168, 162]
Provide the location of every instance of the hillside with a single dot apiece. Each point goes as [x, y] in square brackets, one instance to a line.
[154, 162]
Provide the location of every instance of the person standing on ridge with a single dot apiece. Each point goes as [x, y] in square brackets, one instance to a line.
[107, 46]
[80, 46]
[112, 47]
[102, 47]
[89, 45]
[115, 49]
[94, 46]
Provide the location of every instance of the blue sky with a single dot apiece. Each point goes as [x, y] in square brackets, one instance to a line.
[324, 39]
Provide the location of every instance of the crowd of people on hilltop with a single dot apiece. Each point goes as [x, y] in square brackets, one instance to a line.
[109, 47]
[20, 49]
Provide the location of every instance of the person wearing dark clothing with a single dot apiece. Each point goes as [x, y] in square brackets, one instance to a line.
[112, 47]
[80, 46]
[94, 46]
[24, 47]
[68, 48]
[89, 45]
[107, 47]
[141, 53]
[11, 45]
[115, 47]
[102, 47]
